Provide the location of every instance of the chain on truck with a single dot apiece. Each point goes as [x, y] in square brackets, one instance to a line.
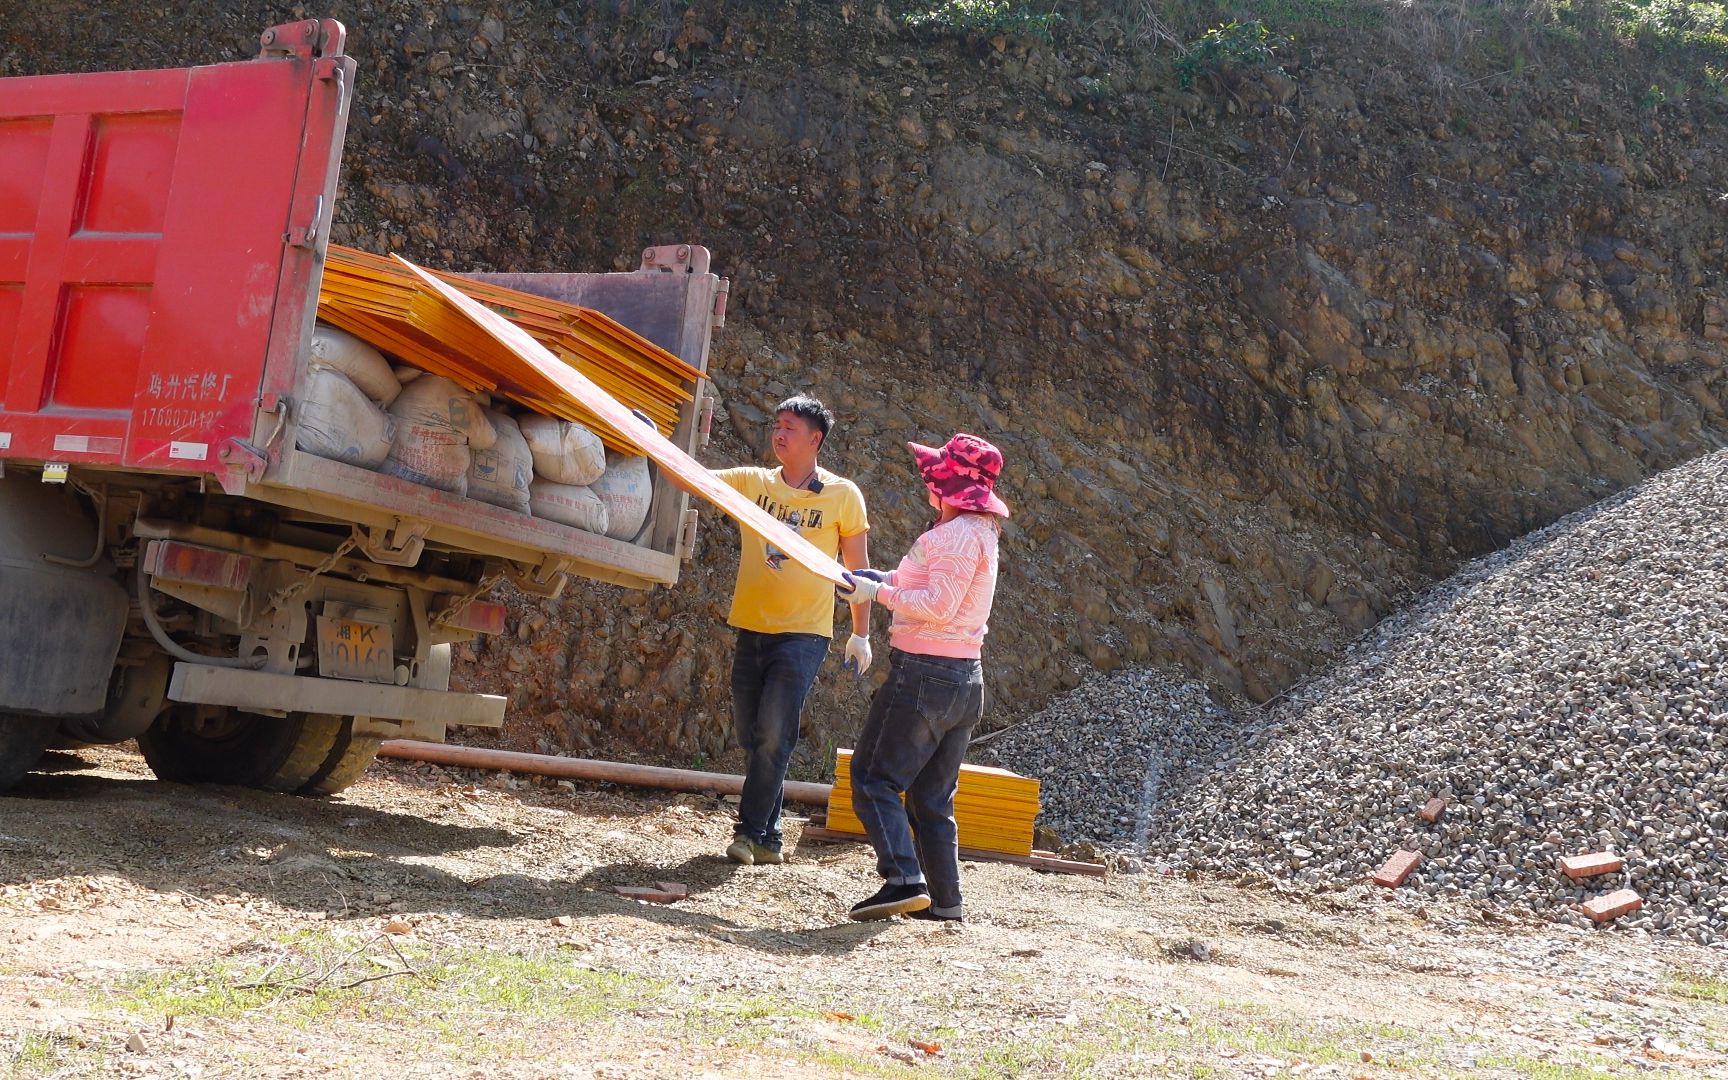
[172, 568]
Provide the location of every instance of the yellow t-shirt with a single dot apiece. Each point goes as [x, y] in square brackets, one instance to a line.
[773, 594]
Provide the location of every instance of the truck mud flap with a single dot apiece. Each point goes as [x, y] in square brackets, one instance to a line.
[60, 627]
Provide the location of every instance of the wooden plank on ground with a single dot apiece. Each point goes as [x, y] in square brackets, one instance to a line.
[1037, 860]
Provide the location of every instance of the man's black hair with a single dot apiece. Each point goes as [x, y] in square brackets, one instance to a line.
[810, 409]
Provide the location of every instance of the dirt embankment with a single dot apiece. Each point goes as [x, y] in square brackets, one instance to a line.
[1262, 353]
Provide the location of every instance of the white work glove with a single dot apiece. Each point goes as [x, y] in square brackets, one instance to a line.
[864, 585]
[857, 654]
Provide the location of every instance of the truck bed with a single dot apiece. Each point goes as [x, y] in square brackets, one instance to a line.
[162, 237]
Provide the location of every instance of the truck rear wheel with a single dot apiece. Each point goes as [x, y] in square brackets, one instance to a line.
[349, 757]
[305, 753]
[22, 740]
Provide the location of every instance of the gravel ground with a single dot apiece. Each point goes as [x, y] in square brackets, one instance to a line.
[1565, 695]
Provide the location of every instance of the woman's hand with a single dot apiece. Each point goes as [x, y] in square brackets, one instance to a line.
[864, 585]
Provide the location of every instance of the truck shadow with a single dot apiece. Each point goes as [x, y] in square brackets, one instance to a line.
[217, 849]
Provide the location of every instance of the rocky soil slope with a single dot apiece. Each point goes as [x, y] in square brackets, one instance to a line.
[1263, 353]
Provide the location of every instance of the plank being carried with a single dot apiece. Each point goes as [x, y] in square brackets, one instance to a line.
[522, 365]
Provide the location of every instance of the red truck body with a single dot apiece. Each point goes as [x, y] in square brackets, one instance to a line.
[173, 568]
[159, 250]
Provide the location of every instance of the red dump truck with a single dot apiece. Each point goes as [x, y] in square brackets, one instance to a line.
[172, 568]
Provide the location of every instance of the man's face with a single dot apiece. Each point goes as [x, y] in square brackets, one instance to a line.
[795, 436]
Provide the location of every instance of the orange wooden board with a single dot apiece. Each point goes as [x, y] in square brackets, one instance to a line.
[541, 366]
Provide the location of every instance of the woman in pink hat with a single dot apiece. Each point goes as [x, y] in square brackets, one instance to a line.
[922, 717]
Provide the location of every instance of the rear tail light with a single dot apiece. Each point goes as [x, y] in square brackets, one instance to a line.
[171, 560]
[480, 616]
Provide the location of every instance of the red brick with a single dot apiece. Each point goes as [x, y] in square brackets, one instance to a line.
[1397, 868]
[1432, 810]
[650, 894]
[678, 887]
[1614, 905]
[1584, 866]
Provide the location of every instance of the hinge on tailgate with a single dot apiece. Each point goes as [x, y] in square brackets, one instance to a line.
[687, 535]
[399, 545]
[237, 453]
[676, 259]
[705, 422]
[308, 39]
[546, 579]
[721, 292]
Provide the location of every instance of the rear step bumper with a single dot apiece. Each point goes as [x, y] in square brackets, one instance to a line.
[238, 688]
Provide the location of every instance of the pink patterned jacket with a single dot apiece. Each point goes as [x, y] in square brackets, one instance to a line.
[941, 592]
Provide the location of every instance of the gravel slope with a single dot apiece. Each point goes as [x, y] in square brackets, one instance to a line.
[1567, 694]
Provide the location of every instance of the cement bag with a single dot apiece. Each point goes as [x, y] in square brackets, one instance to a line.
[568, 504]
[500, 476]
[338, 421]
[436, 422]
[364, 365]
[626, 487]
[565, 452]
[480, 436]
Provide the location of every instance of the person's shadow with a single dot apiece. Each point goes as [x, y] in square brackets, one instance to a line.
[701, 873]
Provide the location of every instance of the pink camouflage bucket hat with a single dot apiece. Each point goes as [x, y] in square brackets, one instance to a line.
[963, 472]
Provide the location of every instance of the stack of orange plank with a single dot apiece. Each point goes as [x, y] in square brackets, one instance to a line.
[381, 302]
[994, 808]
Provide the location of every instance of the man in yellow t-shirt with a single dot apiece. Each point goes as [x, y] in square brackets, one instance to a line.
[785, 614]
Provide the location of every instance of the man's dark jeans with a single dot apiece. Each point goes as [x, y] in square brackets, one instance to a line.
[771, 675]
[914, 742]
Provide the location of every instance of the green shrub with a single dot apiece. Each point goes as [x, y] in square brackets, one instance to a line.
[984, 17]
[1232, 45]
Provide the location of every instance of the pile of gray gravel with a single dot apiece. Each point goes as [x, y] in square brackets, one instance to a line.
[1108, 751]
[1567, 694]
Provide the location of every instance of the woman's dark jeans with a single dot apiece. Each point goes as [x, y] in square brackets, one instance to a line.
[913, 743]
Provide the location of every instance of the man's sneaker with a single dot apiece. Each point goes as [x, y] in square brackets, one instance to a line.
[930, 916]
[891, 900]
[741, 850]
[750, 853]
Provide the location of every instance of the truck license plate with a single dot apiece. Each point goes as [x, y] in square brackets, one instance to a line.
[354, 649]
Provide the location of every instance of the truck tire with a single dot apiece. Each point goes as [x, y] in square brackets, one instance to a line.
[349, 757]
[22, 740]
[305, 753]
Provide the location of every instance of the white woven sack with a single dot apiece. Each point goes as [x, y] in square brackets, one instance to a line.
[568, 504]
[565, 452]
[364, 365]
[501, 475]
[336, 420]
[627, 489]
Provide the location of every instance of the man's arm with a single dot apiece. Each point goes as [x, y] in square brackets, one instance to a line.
[732, 478]
[855, 555]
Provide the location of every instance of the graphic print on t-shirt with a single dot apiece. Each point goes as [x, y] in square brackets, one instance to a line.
[799, 518]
